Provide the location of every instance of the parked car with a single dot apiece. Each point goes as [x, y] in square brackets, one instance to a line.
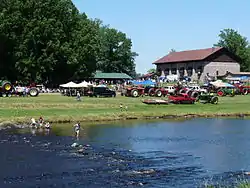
[170, 89]
[101, 92]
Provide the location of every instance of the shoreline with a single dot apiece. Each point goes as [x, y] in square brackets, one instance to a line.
[60, 109]
[122, 117]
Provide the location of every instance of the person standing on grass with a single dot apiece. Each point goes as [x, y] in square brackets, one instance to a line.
[78, 96]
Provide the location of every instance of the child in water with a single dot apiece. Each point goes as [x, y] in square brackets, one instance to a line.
[77, 129]
[33, 123]
[47, 126]
[40, 122]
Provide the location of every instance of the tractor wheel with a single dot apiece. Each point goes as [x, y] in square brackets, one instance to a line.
[220, 93]
[189, 92]
[245, 91]
[182, 91]
[158, 93]
[151, 92]
[6, 86]
[134, 93]
[33, 92]
[214, 100]
[195, 95]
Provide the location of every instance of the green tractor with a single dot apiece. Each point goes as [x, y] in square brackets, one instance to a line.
[208, 98]
[226, 91]
[5, 88]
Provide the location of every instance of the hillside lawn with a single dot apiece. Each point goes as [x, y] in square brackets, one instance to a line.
[57, 108]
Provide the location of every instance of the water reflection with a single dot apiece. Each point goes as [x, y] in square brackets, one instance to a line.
[39, 131]
[148, 154]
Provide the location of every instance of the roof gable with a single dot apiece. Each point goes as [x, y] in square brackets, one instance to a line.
[102, 75]
[190, 55]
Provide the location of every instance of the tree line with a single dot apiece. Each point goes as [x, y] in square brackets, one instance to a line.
[50, 41]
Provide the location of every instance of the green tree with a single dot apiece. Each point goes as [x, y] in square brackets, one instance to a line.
[50, 41]
[116, 53]
[152, 70]
[172, 50]
[237, 44]
[46, 40]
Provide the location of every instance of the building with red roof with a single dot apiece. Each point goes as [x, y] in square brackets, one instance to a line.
[198, 64]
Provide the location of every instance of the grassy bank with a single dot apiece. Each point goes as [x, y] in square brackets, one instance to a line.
[244, 184]
[58, 108]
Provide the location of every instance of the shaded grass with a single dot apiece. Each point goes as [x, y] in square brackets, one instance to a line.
[243, 184]
[58, 108]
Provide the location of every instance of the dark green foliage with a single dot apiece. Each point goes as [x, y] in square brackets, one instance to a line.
[115, 54]
[49, 41]
[237, 44]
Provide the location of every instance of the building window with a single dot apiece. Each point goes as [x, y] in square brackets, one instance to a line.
[189, 71]
[174, 71]
[158, 72]
[181, 71]
[166, 72]
[199, 69]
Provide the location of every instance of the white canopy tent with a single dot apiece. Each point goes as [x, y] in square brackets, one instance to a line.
[84, 84]
[70, 85]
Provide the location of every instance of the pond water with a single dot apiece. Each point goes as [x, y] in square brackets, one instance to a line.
[151, 154]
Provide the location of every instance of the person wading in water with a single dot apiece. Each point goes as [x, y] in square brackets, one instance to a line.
[77, 130]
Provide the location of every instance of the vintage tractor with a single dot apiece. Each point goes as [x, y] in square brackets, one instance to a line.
[132, 91]
[31, 91]
[5, 88]
[242, 89]
[226, 91]
[155, 91]
[208, 98]
[193, 91]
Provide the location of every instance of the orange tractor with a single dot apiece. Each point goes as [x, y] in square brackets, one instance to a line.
[133, 91]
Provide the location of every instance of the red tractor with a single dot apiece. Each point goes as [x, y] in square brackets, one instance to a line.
[132, 91]
[241, 89]
[155, 91]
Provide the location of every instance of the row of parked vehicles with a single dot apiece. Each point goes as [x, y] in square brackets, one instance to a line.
[186, 93]
[191, 90]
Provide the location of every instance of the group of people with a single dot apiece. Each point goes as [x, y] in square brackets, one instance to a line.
[40, 124]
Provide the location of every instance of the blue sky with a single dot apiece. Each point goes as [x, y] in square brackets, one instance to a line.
[157, 26]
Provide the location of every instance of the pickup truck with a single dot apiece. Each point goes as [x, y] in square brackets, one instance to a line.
[181, 98]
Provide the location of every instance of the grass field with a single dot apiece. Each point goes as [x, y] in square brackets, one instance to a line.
[57, 108]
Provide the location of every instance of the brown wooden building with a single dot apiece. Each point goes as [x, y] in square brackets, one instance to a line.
[198, 64]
